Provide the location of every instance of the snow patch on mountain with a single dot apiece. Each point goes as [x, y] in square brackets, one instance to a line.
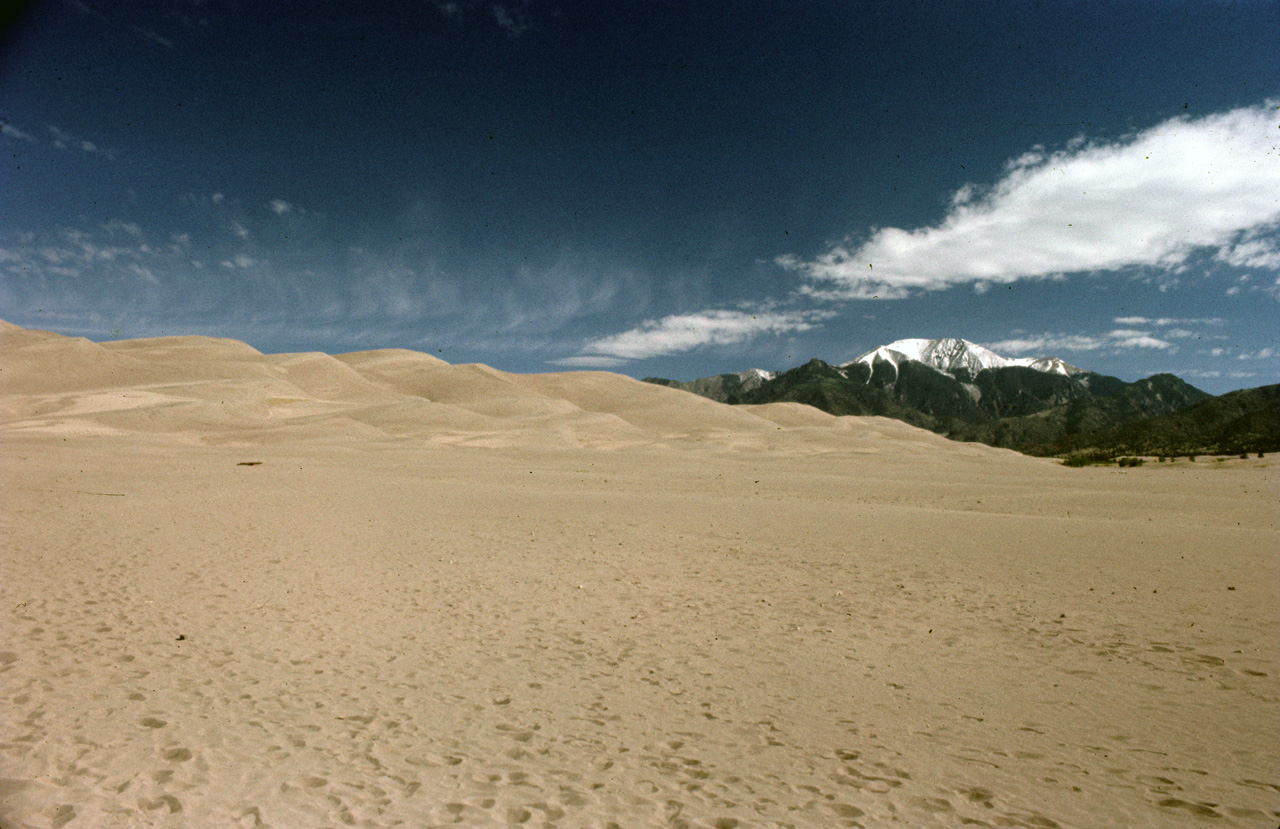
[753, 378]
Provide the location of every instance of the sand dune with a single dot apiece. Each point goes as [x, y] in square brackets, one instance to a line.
[791, 414]
[215, 390]
[380, 590]
[325, 377]
[656, 409]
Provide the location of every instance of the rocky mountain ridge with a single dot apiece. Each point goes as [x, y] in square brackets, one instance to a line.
[960, 390]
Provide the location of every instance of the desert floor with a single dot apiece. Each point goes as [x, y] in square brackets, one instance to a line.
[849, 624]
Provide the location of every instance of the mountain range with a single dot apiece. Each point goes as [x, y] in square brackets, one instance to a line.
[967, 392]
[1241, 421]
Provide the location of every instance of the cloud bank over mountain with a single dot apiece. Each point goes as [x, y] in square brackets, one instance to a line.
[1152, 200]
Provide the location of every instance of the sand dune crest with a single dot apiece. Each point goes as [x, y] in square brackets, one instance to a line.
[218, 390]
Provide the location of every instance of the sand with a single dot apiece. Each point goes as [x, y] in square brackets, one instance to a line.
[378, 590]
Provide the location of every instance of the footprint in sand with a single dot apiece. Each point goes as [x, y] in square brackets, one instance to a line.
[169, 800]
[1197, 809]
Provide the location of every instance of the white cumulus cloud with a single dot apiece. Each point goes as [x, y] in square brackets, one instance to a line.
[1253, 252]
[1151, 200]
[1125, 338]
[683, 332]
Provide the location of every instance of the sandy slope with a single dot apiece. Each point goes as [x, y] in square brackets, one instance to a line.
[451, 595]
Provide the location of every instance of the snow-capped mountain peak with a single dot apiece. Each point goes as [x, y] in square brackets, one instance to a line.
[1049, 365]
[950, 356]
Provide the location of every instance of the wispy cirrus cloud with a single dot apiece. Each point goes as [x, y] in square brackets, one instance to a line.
[189, 13]
[152, 35]
[596, 361]
[85, 278]
[192, 15]
[1210, 374]
[240, 260]
[64, 140]
[265, 283]
[1165, 321]
[115, 247]
[1178, 328]
[58, 137]
[1050, 344]
[683, 332]
[1151, 200]
[512, 16]
[10, 131]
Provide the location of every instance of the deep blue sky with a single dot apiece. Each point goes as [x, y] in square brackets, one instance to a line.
[658, 188]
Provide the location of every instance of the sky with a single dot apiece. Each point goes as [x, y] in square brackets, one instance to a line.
[673, 189]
